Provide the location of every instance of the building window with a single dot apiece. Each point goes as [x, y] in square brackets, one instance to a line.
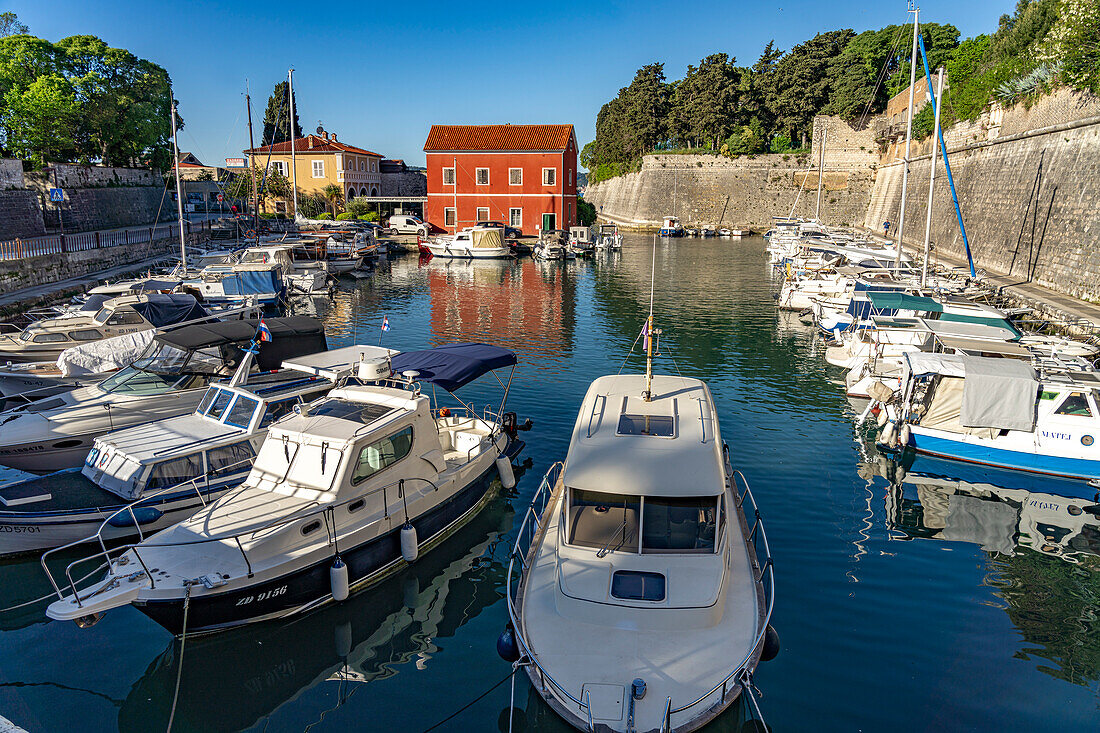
[448, 176]
[483, 213]
[374, 165]
[515, 218]
[362, 164]
[448, 217]
[482, 176]
[570, 210]
[570, 178]
[549, 176]
[318, 169]
[280, 166]
[515, 176]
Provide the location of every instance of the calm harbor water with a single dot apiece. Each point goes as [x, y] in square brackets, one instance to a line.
[906, 599]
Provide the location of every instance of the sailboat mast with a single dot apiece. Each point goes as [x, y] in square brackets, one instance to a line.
[820, 173]
[252, 146]
[293, 143]
[908, 138]
[932, 179]
[649, 328]
[179, 190]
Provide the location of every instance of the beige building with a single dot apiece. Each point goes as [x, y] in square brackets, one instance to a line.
[322, 160]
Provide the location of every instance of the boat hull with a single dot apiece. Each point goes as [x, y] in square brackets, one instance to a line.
[987, 455]
[309, 587]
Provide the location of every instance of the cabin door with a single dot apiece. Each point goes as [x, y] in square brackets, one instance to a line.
[549, 221]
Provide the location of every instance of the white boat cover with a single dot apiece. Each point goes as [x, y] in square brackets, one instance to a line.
[999, 393]
[920, 363]
[107, 355]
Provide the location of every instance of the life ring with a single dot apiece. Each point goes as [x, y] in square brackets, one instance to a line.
[444, 412]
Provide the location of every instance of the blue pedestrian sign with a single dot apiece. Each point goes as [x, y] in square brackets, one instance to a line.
[57, 195]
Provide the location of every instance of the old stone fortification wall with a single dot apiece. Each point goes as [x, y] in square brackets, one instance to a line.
[744, 192]
[86, 209]
[92, 176]
[747, 191]
[11, 173]
[31, 271]
[404, 183]
[1029, 201]
[20, 214]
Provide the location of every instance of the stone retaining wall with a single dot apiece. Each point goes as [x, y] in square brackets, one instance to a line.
[46, 269]
[20, 214]
[1029, 202]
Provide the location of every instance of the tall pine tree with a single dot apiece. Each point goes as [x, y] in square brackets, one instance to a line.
[277, 116]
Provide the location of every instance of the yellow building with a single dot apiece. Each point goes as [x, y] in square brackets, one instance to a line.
[321, 160]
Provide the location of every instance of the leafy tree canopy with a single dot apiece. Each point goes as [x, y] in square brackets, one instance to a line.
[277, 116]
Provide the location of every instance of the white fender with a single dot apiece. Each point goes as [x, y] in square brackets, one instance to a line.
[882, 416]
[507, 477]
[409, 545]
[886, 437]
[904, 434]
[338, 579]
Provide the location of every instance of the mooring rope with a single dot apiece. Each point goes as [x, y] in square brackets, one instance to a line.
[470, 704]
[179, 667]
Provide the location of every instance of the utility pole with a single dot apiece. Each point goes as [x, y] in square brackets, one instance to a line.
[293, 159]
[251, 167]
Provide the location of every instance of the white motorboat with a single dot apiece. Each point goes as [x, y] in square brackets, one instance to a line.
[57, 431]
[45, 340]
[300, 270]
[609, 237]
[553, 245]
[671, 227]
[643, 597]
[141, 479]
[707, 231]
[350, 489]
[691, 232]
[470, 243]
[582, 240]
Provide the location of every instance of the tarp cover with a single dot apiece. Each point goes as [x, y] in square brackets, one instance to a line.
[290, 337]
[454, 365]
[253, 282]
[982, 320]
[94, 302]
[164, 310]
[487, 239]
[96, 357]
[999, 393]
[921, 363]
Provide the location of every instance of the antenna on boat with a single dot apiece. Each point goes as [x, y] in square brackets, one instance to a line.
[649, 334]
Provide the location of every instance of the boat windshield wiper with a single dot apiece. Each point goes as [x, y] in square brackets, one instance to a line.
[607, 545]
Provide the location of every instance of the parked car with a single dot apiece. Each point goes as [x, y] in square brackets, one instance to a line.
[403, 224]
[509, 232]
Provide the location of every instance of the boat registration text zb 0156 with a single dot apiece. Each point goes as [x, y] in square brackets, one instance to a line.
[262, 596]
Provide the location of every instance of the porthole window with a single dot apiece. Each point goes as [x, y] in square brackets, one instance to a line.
[356, 505]
[311, 527]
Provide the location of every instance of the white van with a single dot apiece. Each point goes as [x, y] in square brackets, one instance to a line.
[403, 224]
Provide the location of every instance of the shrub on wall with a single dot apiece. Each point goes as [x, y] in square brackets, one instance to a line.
[345, 216]
[326, 216]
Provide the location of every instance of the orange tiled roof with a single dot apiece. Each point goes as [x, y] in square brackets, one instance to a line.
[498, 137]
[320, 145]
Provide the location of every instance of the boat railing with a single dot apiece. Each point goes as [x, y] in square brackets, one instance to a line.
[764, 574]
[529, 527]
[146, 498]
[327, 511]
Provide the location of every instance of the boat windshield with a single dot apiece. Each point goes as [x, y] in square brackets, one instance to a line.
[668, 525]
[603, 521]
[136, 380]
[678, 524]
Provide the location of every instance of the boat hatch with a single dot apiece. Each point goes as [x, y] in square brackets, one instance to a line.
[662, 426]
[637, 585]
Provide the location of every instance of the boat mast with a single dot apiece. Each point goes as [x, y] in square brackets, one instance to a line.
[454, 190]
[179, 190]
[252, 146]
[293, 143]
[820, 172]
[932, 180]
[908, 137]
[649, 328]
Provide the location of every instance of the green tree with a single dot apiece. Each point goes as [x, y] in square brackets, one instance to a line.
[586, 213]
[1074, 43]
[10, 25]
[277, 116]
[334, 195]
[39, 120]
[644, 110]
[802, 80]
[702, 105]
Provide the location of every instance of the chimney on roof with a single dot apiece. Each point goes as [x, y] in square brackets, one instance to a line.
[334, 137]
[324, 135]
[310, 141]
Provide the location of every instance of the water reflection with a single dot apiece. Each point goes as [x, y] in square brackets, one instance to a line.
[239, 679]
[1041, 540]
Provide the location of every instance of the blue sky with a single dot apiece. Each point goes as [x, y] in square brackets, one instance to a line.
[379, 74]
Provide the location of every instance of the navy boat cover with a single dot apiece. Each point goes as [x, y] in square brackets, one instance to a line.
[164, 310]
[454, 365]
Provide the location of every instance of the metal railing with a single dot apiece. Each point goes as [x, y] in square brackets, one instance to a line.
[252, 532]
[530, 525]
[763, 574]
[17, 249]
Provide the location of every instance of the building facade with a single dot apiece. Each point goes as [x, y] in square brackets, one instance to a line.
[522, 175]
[322, 160]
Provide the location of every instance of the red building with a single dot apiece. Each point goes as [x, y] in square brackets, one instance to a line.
[522, 175]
